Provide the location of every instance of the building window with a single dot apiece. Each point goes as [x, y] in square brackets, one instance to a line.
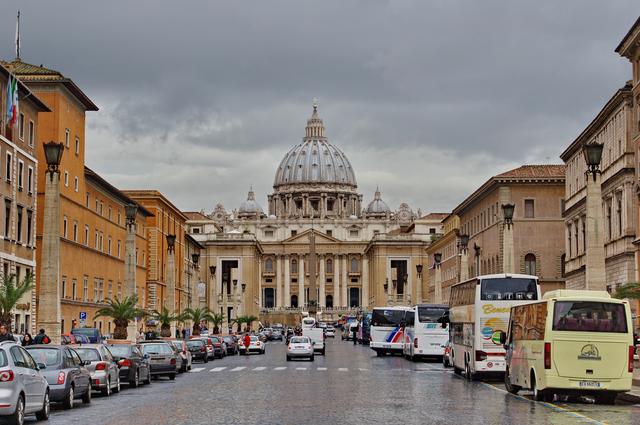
[77, 146]
[97, 205]
[268, 233]
[66, 179]
[66, 137]
[530, 264]
[268, 265]
[21, 126]
[75, 231]
[619, 215]
[20, 175]
[101, 205]
[96, 241]
[30, 180]
[63, 285]
[9, 164]
[195, 230]
[7, 218]
[329, 232]
[118, 216]
[329, 301]
[119, 290]
[329, 204]
[75, 184]
[294, 266]
[32, 133]
[353, 233]
[432, 231]
[109, 213]
[86, 235]
[96, 294]
[87, 200]
[85, 289]
[118, 249]
[29, 225]
[294, 301]
[109, 245]
[329, 266]
[354, 265]
[64, 227]
[19, 224]
[110, 290]
[101, 242]
[294, 232]
[609, 220]
[74, 284]
[529, 208]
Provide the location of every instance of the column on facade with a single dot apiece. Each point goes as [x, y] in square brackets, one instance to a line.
[323, 205]
[595, 278]
[438, 284]
[336, 280]
[259, 282]
[170, 278]
[130, 267]
[365, 282]
[279, 281]
[345, 280]
[287, 281]
[321, 301]
[301, 282]
[507, 251]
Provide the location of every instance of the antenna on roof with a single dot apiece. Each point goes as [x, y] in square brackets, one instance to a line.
[18, 37]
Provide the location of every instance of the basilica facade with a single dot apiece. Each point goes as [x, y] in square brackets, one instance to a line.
[256, 261]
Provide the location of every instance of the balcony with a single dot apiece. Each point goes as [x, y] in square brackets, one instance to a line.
[398, 299]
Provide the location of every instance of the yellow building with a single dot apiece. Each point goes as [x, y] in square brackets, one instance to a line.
[449, 248]
[92, 225]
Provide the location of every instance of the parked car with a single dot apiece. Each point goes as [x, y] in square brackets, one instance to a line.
[66, 339]
[209, 344]
[300, 346]
[22, 389]
[276, 335]
[92, 333]
[184, 355]
[218, 349]
[105, 376]
[330, 332]
[134, 368]
[255, 346]
[162, 357]
[446, 357]
[267, 332]
[64, 371]
[232, 344]
[198, 349]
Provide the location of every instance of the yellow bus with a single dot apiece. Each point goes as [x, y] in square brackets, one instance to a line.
[571, 343]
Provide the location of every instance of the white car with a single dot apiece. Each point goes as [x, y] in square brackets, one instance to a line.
[300, 346]
[255, 346]
[330, 332]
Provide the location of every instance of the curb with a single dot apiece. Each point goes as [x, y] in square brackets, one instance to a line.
[629, 397]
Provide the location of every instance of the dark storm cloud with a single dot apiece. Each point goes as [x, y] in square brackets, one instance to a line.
[427, 98]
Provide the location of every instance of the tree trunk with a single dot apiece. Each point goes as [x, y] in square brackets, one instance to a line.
[165, 330]
[196, 329]
[120, 330]
[6, 319]
[216, 329]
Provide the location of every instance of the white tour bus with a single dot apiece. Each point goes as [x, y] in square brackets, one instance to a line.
[479, 310]
[386, 334]
[426, 331]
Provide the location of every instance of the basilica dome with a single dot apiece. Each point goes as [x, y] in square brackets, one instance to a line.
[378, 206]
[250, 206]
[315, 160]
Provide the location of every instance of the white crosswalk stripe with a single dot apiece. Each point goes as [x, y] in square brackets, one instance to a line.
[322, 368]
[301, 368]
[280, 368]
[343, 369]
[196, 370]
[218, 369]
[259, 368]
[237, 369]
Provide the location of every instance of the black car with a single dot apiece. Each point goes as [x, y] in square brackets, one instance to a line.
[134, 368]
[232, 344]
[198, 350]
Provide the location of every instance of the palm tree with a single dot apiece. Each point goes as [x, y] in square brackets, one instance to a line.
[248, 320]
[240, 320]
[217, 319]
[122, 312]
[165, 317]
[10, 294]
[628, 290]
[197, 315]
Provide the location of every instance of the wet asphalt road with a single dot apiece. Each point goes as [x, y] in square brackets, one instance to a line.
[349, 386]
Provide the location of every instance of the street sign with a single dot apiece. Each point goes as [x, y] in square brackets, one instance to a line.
[83, 315]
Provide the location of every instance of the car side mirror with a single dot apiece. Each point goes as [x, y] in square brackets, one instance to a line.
[41, 366]
[145, 356]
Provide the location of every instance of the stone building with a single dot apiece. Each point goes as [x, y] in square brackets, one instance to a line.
[256, 261]
[536, 244]
[19, 167]
[448, 246]
[92, 220]
[611, 127]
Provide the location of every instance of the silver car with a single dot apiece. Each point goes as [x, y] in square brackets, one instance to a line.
[162, 358]
[105, 376]
[23, 390]
[184, 355]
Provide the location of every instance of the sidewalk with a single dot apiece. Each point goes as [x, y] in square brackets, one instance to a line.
[633, 396]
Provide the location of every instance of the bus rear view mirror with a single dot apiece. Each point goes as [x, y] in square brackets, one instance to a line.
[503, 337]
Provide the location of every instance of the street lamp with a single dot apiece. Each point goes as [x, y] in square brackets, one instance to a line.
[244, 287]
[464, 241]
[419, 269]
[507, 211]
[437, 258]
[195, 257]
[171, 241]
[592, 156]
[53, 155]
[212, 270]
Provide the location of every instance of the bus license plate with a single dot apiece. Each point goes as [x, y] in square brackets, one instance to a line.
[589, 384]
[386, 345]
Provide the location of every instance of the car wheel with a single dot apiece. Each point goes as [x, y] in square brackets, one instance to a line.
[148, 380]
[117, 388]
[17, 418]
[86, 398]
[172, 376]
[288, 358]
[206, 360]
[136, 379]
[379, 353]
[311, 358]
[68, 402]
[43, 414]
[107, 390]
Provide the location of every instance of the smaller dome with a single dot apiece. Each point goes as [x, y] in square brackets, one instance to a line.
[378, 206]
[250, 206]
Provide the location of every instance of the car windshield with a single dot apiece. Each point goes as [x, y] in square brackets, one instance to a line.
[197, 343]
[387, 317]
[214, 339]
[119, 350]
[300, 340]
[84, 331]
[508, 288]
[589, 316]
[48, 356]
[3, 358]
[156, 349]
[89, 354]
[227, 339]
[254, 338]
[431, 314]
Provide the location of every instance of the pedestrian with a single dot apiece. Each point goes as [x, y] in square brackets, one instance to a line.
[178, 333]
[184, 333]
[27, 339]
[247, 342]
[354, 329]
[41, 338]
[4, 334]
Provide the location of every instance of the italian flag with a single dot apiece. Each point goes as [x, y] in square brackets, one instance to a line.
[12, 101]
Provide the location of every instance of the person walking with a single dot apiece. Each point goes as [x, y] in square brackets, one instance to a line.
[27, 339]
[247, 342]
[4, 334]
[354, 329]
[184, 333]
[41, 338]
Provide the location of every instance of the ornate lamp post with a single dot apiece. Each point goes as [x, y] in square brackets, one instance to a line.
[463, 246]
[508, 251]
[130, 287]
[419, 288]
[437, 260]
[595, 255]
[171, 278]
[49, 311]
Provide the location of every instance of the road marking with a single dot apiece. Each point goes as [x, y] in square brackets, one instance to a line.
[301, 368]
[363, 369]
[321, 368]
[218, 369]
[280, 368]
[196, 370]
[259, 368]
[343, 369]
[549, 405]
[236, 369]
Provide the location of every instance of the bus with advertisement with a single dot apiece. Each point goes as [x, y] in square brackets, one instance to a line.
[426, 331]
[479, 311]
[387, 330]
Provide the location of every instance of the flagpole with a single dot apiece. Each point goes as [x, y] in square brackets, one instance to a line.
[18, 37]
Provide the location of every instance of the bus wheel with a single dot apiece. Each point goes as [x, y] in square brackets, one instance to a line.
[467, 372]
[606, 398]
[540, 395]
[457, 371]
[379, 353]
[513, 389]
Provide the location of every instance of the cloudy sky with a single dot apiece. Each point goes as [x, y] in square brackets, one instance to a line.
[202, 99]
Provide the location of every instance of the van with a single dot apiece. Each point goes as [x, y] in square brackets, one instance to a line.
[92, 333]
[571, 343]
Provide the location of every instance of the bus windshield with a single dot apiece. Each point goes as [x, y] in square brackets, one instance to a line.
[589, 316]
[384, 317]
[508, 288]
[431, 314]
